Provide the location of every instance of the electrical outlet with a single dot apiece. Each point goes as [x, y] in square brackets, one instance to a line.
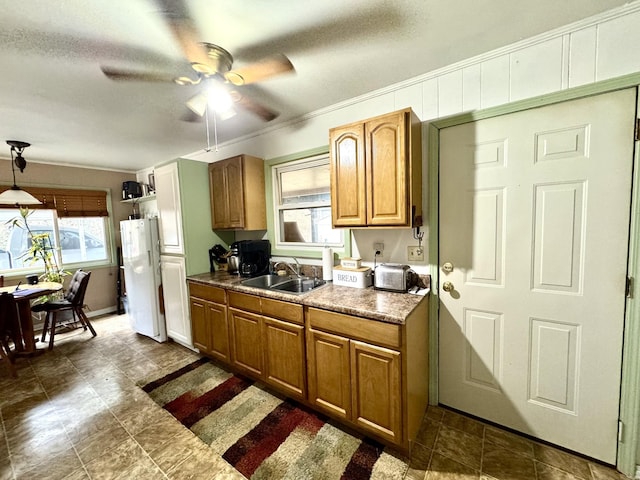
[378, 246]
[415, 254]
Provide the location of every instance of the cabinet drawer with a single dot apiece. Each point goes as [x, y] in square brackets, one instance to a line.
[379, 333]
[243, 301]
[207, 292]
[283, 310]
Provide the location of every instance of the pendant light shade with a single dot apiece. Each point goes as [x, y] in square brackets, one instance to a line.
[15, 195]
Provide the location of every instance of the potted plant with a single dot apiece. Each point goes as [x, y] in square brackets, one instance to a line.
[40, 249]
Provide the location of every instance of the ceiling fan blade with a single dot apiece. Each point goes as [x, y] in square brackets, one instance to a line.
[252, 106]
[123, 75]
[185, 33]
[198, 103]
[189, 116]
[263, 69]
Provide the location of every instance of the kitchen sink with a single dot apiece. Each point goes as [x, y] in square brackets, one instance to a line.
[293, 285]
[298, 285]
[264, 281]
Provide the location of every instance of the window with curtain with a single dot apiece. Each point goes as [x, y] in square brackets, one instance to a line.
[302, 198]
[74, 222]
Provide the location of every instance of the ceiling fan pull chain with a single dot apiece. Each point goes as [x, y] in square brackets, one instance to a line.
[206, 126]
[215, 129]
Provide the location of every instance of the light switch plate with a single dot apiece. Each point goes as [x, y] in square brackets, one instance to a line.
[415, 254]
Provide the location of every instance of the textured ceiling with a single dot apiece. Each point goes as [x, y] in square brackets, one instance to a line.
[54, 95]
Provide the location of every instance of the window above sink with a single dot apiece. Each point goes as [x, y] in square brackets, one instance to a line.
[299, 220]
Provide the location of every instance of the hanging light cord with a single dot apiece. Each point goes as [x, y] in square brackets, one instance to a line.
[18, 161]
[13, 170]
[215, 129]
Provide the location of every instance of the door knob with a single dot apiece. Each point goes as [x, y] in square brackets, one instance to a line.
[447, 267]
[447, 287]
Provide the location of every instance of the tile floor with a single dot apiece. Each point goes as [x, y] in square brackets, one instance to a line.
[75, 413]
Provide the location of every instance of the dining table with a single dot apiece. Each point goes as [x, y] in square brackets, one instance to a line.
[23, 294]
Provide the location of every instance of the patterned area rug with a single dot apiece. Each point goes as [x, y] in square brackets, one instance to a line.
[264, 436]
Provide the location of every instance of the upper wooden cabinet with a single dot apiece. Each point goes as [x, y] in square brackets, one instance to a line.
[237, 194]
[376, 172]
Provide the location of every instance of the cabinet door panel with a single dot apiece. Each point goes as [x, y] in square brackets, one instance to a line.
[246, 341]
[219, 331]
[386, 170]
[329, 371]
[235, 192]
[219, 195]
[169, 209]
[376, 389]
[200, 326]
[284, 355]
[348, 195]
[176, 299]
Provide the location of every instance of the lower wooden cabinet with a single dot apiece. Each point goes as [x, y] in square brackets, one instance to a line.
[329, 373]
[356, 381]
[370, 375]
[284, 356]
[376, 390]
[246, 342]
[209, 325]
[267, 342]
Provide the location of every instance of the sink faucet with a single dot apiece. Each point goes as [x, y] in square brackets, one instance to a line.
[295, 270]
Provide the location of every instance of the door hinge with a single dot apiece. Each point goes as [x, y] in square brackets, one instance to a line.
[620, 429]
[637, 132]
[629, 287]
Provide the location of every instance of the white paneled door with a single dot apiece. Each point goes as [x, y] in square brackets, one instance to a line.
[534, 223]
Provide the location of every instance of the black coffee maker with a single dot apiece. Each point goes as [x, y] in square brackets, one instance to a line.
[253, 257]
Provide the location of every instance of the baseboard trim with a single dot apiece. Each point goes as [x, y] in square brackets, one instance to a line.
[102, 311]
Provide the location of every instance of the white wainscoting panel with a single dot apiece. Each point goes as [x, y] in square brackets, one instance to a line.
[471, 91]
[494, 81]
[542, 62]
[617, 47]
[582, 57]
[450, 93]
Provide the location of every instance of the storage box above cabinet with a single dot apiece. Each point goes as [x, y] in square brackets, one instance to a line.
[376, 172]
[237, 194]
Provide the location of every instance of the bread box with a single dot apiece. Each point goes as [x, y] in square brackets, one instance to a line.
[352, 277]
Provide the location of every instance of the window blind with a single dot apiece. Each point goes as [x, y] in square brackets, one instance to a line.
[68, 202]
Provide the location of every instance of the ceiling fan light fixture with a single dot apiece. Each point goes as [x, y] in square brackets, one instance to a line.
[187, 81]
[219, 98]
[234, 78]
[15, 195]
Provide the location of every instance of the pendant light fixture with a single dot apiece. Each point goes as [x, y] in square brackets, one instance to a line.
[15, 195]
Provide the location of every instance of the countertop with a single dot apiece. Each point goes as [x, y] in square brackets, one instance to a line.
[378, 305]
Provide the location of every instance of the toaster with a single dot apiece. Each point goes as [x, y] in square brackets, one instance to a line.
[394, 277]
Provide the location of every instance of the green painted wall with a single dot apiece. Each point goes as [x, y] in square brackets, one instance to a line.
[196, 216]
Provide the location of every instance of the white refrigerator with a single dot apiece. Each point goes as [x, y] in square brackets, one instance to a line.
[141, 264]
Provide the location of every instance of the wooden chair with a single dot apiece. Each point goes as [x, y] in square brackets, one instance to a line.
[73, 301]
[9, 325]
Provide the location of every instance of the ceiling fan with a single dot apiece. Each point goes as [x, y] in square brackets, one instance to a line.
[212, 66]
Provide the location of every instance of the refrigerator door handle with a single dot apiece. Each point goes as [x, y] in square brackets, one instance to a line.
[149, 256]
